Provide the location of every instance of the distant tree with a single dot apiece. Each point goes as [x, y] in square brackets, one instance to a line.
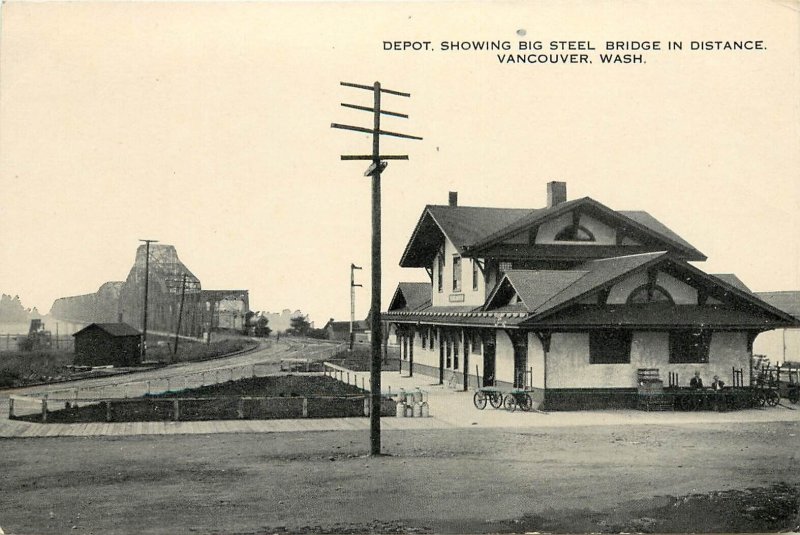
[318, 333]
[262, 327]
[299, 326]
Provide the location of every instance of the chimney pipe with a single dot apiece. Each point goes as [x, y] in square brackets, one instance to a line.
[453, 198]
[556, 193]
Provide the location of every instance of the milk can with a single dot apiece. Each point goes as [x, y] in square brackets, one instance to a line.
[418, 395]
[417, 410]
[400, 410]
[425, 410]
[409, 411]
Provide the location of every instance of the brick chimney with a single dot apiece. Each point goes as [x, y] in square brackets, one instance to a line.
[453, 198]
[556, 193]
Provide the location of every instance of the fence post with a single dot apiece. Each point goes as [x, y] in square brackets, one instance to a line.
[108, 410]
[148, 388]
[169, 386]
[231, 374]
[216, 377]
[176, 410]
[305, 407]
[348, 377]
[240, 408]
[44, 409]
[366, 405]
[254, 369]
[203, 379]
[362, 383]
[10, 408]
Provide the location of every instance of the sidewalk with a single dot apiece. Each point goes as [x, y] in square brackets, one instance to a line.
[449, 409]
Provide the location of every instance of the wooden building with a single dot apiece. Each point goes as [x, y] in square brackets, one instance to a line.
[103, 344]
[569, 301]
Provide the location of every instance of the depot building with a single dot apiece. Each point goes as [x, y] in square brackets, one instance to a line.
[568, 301]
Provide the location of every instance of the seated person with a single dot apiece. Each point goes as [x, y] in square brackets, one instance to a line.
[696, 381]
[717, 384]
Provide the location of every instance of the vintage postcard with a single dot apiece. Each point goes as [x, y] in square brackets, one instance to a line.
[399, 267]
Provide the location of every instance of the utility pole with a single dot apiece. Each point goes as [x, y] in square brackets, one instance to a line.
[375, 170]
[353, 285]
[146, 287]
[184, 283]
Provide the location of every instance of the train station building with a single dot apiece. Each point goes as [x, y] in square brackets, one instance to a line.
[568, 301]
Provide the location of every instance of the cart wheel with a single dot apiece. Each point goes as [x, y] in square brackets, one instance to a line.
[510, 403]
[773, 398]
[496, 399]
[794, 395]
[525, 402]
[479, 399]
[761, 397]
[686, 402]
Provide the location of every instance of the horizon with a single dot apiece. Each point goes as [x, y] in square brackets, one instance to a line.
[207, 127]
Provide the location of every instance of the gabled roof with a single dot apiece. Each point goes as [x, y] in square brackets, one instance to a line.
[462, 225]
[637, 220]
[553, 298]
[733, 280]
[534, 288]
[411, 296]
[788, 301]
[113, 329]
[473, 228]
[598, 275]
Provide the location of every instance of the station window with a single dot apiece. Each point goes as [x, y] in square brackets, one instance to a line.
[689, 347]
[572, 233]
[456, 273]
[440, 273]
[641, 295]
[610, 346]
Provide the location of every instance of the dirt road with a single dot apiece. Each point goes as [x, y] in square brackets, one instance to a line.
[574, 479]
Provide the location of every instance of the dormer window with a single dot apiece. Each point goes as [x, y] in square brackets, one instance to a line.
[573, 233]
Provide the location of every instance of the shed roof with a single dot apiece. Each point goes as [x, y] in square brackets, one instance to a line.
[113, 329]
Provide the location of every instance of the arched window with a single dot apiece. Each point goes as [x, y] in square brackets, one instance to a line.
[645, 294]
[573, 233]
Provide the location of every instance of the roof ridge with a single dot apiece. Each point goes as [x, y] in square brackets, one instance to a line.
[650, 253]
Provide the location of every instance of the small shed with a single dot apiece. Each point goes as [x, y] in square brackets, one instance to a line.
[103, 344]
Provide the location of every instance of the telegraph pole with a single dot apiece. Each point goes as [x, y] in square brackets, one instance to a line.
[353, 285]
[375, 170]
[146, 287]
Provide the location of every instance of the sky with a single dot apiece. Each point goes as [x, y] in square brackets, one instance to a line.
[207, 126]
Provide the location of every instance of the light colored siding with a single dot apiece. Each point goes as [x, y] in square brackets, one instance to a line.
[568, 361]
[603, 234]
[681, 293]
[548, 230]
[504, 358]
[472, 297]
[536, 360]
[620, 291]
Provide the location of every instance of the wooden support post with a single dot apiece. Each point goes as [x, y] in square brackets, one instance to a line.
[305, 407]
[44, 409]
[240, 408]
[366, 406]
[254, 370]
[348, 377]
[169, 387]
[216, 377]
[176, 410]
[10, 408]
[108, 410]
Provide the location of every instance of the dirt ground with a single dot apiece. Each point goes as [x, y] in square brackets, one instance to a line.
[574, 479]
